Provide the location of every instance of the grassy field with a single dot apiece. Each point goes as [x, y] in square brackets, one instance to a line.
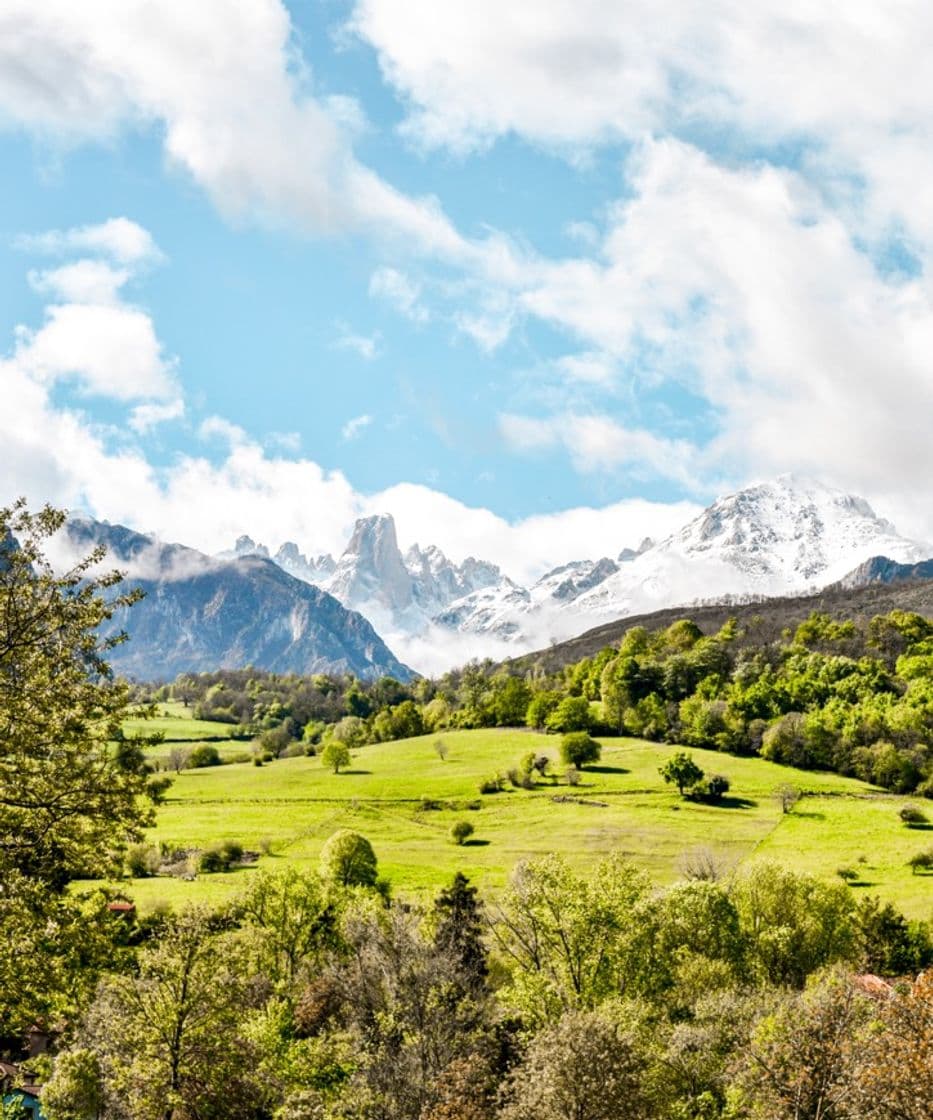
[177, 724]
[290, 807]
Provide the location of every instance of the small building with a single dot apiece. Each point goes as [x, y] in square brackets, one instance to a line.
[24, 1093]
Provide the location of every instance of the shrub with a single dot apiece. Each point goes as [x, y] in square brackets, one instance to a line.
[220, 857]
[922, 861]
[847, 874]
[441, 749]
[157, 787]
[204, 755]
[717, 787]
[911, 814]
[142, 860]
[572, 776]
[460, 831]
[788, 796]
[491, 785]
[578, 749]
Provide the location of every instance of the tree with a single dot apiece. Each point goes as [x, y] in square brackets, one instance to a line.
[571, 714]
[787, 796]
[67, 806]
[348, 859]
[459, 930]
[578, 749]
[681, 770]
[335, 755]
[461, 831]
[798, 1066]
[167, 1039]
[295, 916]
[586, 1067]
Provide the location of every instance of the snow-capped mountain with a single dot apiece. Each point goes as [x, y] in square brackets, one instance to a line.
[784, 536]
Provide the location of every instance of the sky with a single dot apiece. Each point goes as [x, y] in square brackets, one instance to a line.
[538, 278]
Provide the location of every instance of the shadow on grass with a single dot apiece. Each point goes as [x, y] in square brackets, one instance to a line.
[920, 826]
[734, 803]
[861, 883]
[809, 815]
[606, 770]
[475, 844]
[352, 772]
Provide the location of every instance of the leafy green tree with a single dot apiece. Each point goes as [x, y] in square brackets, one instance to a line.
[348, 859]
[351, 731]
[75, 1091]
[566, 937]
[799, 1064]
[680, 770]
[540, 706]
[579, 749]
[168, 1038]
[571, 714]
[335, 754]
[793, 923]
[461, 831]
[68, 807]
[294, 914]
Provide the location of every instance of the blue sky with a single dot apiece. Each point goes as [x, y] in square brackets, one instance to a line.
[539, 279]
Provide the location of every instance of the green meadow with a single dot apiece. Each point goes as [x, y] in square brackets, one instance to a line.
[288, 808]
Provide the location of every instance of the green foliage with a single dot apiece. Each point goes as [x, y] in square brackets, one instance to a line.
[461, 831]
[348, 859]
[204, 755]
[680, 770]
[335, 755]
[571, 714]
[578, 749]
[68, 804]
[921, 861]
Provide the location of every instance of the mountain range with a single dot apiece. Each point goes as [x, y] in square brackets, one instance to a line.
[202, 613]
[785, 536]
[288, 612]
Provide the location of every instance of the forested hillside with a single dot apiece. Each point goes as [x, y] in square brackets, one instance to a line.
[852, 695]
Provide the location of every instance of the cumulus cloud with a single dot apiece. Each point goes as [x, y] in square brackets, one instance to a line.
[749, 294]
[90, 335]
[248, 128]
[120, 239]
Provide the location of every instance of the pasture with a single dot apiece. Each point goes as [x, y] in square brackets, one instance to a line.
[288, 808]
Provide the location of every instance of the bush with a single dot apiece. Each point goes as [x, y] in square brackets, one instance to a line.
[204, 755]
[491, 785]
[578, 749]
[847, 874]
[572, 776]
[922, 861]
[143, 860]
[911, 814]
[220, 857]
[460, 831]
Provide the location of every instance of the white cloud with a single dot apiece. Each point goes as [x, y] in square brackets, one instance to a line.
[747, 293]
[598, 443]
[400, 291]
[353, 427]
[246, 127]
[146, 416]
[366, 345]
[121, 239]
[84, 281]
[110, 351]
